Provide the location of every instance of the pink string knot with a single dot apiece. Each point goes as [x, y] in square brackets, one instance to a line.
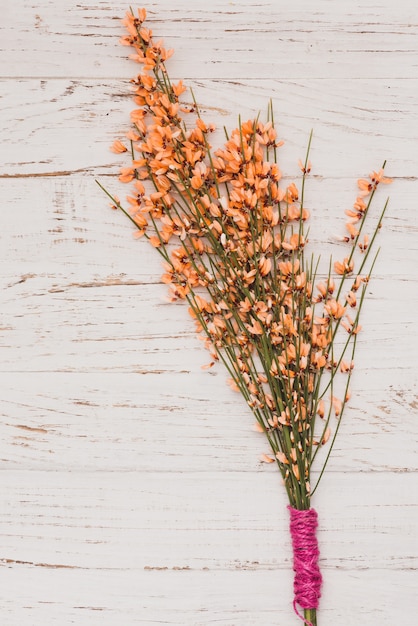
[308, 579]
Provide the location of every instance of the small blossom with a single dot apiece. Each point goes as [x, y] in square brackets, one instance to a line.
[321, 408]
[351, 299]
[346, 267]
[377, 177]
[264, 458]
[346, 367]
[363, 245]
[326, 436]
[305, 169]
[335, 309]
[118, 147]
[353, 232]
[295, 470]
[365, 186]
[282, 458]
[337, 406]
[127, 174]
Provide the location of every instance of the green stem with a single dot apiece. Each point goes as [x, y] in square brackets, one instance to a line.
[310, 616]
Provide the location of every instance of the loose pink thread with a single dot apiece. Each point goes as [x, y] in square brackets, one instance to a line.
[308, 579]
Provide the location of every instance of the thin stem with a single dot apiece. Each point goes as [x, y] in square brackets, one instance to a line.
[310, 616]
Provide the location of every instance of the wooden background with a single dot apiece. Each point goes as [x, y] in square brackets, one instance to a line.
[132, 490]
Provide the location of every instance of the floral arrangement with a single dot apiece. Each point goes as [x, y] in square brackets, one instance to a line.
[234, 243]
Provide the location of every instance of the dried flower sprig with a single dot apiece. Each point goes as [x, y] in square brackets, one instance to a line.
[233, 240]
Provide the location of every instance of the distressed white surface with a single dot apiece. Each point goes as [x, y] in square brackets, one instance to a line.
[131, 487]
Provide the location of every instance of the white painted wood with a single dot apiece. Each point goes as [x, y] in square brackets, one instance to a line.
[68, 125]
[71, 212]
[175, 597]
[218, 39]
[188, 548]
[168, 420]
[120, 520]
[132, 489]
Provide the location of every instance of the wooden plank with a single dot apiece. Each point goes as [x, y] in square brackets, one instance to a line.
[220, 40]
[66, 126]
[77, 543]
[61, 228]
[170, 420]
[34, 595]
[81, 296]
[82, 328]
[118, 520]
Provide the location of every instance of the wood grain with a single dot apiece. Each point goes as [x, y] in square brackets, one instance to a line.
[99, 597]
[234, 40]
[62, 127]
[132, 489]
[80, 542]
[121, 521]
[193, 422]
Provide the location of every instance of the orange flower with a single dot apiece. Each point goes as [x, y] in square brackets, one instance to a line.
[196, 181]
[344, 268]
[355, 215]
[357, 282]
[377, 177]
[351, 299]
[154, 241]
[179, 88]
[337, 406]
[139, 187]
[319, 337]
[360, 206]
[282, 458]
[118, 147]
[292, 193]
[318, 360]
[296, 242]
[364, 244]
[353, 232]
[334, 309]
[255, 328]
[132, 136]
[307, 169]
[321, 409]
[264, 266]
[365, 186]
[179, 292]
[142, 15]
[140, 220]
[326, 436]
[353, 328]
[346, 367]
[126, 174]
[289, 267]
[264, 458]
[294, 212]
[208, 366]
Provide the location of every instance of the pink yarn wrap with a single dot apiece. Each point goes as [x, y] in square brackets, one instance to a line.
[308, 579]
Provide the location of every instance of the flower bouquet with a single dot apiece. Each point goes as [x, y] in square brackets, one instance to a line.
[234, 243]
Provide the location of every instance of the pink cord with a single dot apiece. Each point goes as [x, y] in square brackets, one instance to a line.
[308, 579]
